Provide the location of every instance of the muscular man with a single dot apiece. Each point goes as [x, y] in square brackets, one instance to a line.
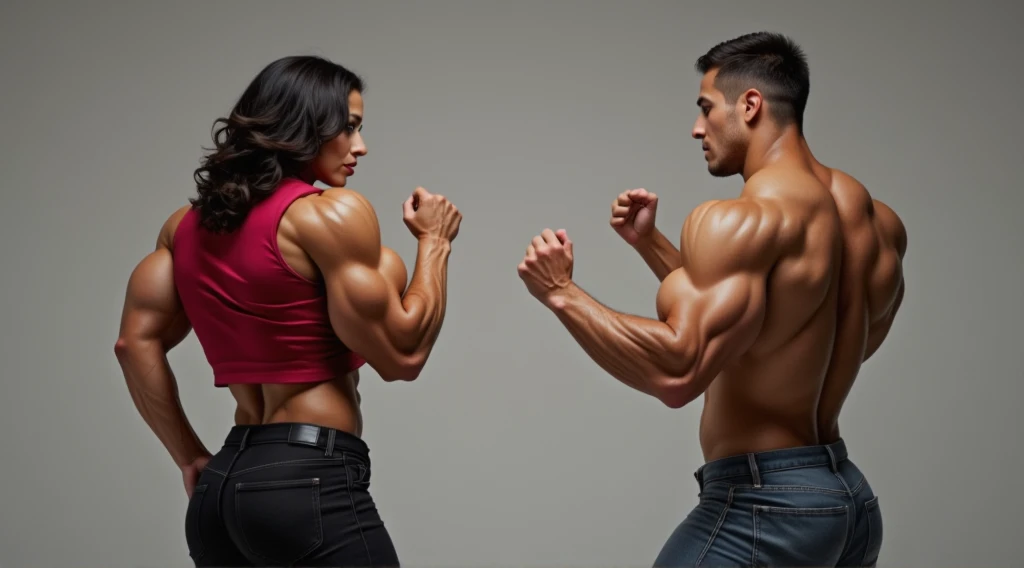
[289, 291]
[768, 308]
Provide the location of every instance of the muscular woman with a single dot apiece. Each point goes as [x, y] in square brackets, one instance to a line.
[289, 292]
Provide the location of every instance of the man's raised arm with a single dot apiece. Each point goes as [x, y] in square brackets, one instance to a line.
[394, 332]
[633, 218]
[709, 311]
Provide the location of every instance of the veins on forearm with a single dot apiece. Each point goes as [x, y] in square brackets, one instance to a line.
[154, 392]
[425, 299]
[639, 352]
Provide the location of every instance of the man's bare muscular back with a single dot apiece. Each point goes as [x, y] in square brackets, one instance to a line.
[333, 403]
[871, 291]
[835, 265]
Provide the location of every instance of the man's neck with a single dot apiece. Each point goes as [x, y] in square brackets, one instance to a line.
[771, 146]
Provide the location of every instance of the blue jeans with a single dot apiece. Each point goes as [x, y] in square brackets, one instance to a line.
[807, 506]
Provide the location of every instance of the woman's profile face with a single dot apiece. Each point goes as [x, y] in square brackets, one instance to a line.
[336, 161]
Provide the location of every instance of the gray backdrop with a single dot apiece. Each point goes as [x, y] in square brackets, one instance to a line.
[512, 448]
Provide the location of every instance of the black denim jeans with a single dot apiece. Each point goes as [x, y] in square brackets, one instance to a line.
[284, 495]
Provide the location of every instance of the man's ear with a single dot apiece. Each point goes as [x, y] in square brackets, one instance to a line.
[752, 105]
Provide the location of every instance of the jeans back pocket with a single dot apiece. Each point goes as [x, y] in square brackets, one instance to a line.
[799, 536]
[279, 521]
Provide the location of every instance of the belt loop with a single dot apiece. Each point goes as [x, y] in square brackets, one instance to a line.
[330, 442]
[753, 470]
[832, 459]
[245, 438]
[699, 476]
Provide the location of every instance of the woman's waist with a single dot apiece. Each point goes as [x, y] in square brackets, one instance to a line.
[289, 451]
[329, 404]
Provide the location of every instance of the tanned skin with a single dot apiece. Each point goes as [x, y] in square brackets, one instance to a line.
[769, 305]
[333, 236]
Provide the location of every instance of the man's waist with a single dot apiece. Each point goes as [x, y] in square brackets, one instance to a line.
[742, 465]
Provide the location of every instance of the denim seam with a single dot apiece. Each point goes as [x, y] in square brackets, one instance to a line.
[355, 513]
[718, 527]
[307, 461]
[200, 492]
[241, 532]
[786, 488]
[319, 523]
[227, 472]
[808, 511]
[858, 487]
[757, 535]
[867, 517]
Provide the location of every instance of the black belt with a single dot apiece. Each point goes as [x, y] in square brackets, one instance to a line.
[322, 437]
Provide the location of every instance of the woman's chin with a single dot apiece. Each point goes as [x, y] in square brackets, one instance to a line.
[336, 181]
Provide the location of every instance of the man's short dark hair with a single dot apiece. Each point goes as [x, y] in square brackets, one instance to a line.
[769, 62]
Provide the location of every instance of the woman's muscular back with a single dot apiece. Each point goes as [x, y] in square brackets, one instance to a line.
[333, 403]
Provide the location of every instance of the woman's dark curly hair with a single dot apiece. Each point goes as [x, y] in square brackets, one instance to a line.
[293, 106]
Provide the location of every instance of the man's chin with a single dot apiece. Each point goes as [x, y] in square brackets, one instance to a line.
[720, 172]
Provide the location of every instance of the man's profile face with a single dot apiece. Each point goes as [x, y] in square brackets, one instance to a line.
[719, 129]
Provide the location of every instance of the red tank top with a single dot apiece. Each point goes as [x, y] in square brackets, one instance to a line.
[257, 320]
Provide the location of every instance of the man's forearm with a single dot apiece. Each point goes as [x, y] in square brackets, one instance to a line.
[426, 298]
[154, 390]
[659, 253]
[641, 353]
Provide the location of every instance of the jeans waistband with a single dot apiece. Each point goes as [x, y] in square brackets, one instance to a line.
[754, 464]
[328, 439]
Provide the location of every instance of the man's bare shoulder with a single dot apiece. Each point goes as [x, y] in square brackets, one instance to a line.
[733, 233]
[855, 202]
[733, 218]
[891, 226]
[335, 220]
